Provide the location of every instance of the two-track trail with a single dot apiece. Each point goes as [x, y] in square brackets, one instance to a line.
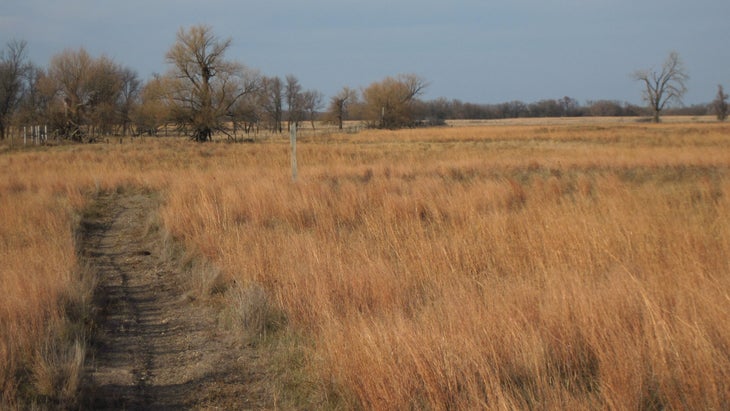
[154, 347]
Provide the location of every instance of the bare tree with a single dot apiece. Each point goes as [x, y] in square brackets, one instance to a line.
[665, 86]
[153, 110]
[104, 86]
[569, 106]
[129, 95]
[294, 101]
[271, 100]
[719, 105]
[339, 105]
[68, 79]
[205, 86]
[35, 103]
[13, 69]
[388, 103]
[246, 113]
[312, 103]
[87, 96]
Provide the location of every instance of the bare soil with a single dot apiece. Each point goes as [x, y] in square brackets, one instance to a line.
[154, 345]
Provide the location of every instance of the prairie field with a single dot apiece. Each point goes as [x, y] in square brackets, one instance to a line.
[571, 265]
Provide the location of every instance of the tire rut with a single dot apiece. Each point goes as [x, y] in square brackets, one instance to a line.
[154, 346]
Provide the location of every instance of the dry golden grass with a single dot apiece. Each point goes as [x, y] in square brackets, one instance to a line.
[44, 311]
[575, 266]
[555, 267]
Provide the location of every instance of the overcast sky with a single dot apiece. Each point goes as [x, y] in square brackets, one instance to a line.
[482, 51]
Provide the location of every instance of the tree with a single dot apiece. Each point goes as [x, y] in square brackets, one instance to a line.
[271, 101]
[665, 86]
[87, 96]
[205, 86]
[294, 101]
[13, 70]
[546, 108]
[311, 104]
[389, 103]
[339, 105]
[104, 85]
[246, 113]
[513, 109]
[129, 95]
[570, 107]
[36, 100]
[68, 79]
[719, 105]
[153, 111]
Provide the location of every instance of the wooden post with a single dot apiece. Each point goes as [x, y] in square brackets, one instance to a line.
[293, 139]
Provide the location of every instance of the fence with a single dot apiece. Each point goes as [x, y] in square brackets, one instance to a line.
[38, 134]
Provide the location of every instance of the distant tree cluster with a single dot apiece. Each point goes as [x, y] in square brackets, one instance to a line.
[77, 96]
[80, 97]
[442, 109]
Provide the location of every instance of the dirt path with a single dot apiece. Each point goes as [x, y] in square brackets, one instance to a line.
[155, 347]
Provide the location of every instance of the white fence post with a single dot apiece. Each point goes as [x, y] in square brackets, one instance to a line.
[293, 139]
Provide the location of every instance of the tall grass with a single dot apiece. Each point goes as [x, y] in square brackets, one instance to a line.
[513, 267]
[574, 266]
[46, 293]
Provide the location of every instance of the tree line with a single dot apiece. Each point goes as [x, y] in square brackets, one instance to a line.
[80, 97]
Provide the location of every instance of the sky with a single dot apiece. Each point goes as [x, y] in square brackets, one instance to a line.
[479, 51]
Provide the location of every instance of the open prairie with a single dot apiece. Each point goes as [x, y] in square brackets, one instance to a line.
[545, 266]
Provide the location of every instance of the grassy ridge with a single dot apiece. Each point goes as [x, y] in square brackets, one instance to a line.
[554, 266]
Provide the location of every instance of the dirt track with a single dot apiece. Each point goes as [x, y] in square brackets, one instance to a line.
[154, 346]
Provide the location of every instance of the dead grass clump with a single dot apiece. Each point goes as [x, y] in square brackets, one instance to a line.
[254, 312]
[57, 371]
[205, 279]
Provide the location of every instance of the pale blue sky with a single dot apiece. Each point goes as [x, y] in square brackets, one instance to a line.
[476, 51]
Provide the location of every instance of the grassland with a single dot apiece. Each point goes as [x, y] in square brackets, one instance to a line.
[552, 266]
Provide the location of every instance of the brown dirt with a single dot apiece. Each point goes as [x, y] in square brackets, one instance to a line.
[155, 346]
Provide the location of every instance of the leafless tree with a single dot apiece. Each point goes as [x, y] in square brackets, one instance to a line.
[104, 84]
[87, 96]
[271, 100]
[664, 86]
[388, 103]
[68, 78]
[339, 105]
[294, 100]
[312, 103]
[34, 105]
[205, 86]
[14, 68]
[569, 106]
[719, 105]
[129, 95]
[153, 110]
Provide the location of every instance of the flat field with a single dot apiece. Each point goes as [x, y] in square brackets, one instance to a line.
[581, 265]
